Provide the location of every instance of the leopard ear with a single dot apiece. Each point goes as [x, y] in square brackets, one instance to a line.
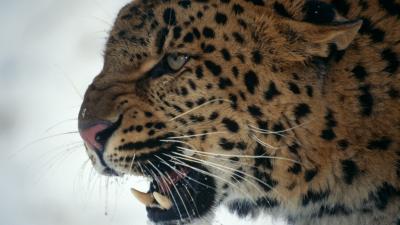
[314, 40]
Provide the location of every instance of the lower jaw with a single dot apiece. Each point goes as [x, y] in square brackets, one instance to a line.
[192, 197]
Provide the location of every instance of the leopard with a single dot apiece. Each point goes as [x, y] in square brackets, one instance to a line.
[284, 108]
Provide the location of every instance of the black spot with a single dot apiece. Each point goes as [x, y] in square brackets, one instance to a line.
[213, 116]
[376, 34]
[235, 71]
[264, 179]
[208, 32]
[281, 10]
[393, 62]
[189, 104]
[318, 12]
[177, 108]
[393, 93]
[200, 101]
[359, 72]
[192, 84]
[226, 145]
[199, 72]
[328, 134]
[241, 145]
[241, 57]
[398, 166]
[271, 92]
[238, 9]
[256, 57]
[224, 83]
[225, 53]
[342, 6]
[301, 110]
[160, 39]
[294, 148]
[242, 23]
[255, 111]
[197, 118]
[366, 101]
[330, 120]
[231, 125]
[251, 81]
[278, 128]
[177, 32]
[310, 91]
[169, 16]
[392, 7]
[294, 88]
[185, 4]
[382, 143]
[225, 1]
[196, 33]
[220, 18]
[184, 91]
[148, 114]
[214, 68]
[238, 37]
[265, 162]
[343, 144]
[314, 197]
[188, 37]
[310, 174]
[350, 171]
[262, 124]
[295, 169]
[139, 128]
[233, 99]
[207, 48]
[149, 143]
[383, 195]
[257, 2]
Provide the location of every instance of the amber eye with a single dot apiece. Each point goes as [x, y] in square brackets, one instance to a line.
[177, 61]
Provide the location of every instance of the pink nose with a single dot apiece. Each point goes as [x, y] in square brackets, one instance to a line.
[92, 136]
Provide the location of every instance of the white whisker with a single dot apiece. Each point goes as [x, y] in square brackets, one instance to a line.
[198, 107]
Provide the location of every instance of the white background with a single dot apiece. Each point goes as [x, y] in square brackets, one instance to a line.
[50, 50]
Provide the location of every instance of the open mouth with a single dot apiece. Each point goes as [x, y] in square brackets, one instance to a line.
[180, 191]
[177, 194]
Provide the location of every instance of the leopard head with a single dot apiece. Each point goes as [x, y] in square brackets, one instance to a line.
[184, 89]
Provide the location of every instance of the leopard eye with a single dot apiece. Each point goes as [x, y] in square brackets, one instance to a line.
[177, 61]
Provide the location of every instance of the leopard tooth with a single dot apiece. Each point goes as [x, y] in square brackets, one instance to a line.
[162, 200]
[146, 198]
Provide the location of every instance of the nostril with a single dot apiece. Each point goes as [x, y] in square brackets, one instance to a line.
[94, 137]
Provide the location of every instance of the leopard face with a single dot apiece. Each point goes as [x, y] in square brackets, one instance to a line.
[224, 102]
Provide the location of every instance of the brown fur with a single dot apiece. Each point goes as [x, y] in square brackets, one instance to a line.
[348, 136]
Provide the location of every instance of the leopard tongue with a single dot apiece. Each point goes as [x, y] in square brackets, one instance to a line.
[150, 199]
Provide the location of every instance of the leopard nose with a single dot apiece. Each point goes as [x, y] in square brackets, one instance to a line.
[96, 135]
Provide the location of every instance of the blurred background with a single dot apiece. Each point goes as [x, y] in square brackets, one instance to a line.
[50, 50]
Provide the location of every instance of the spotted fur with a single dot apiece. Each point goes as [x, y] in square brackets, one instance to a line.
[313, 86]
